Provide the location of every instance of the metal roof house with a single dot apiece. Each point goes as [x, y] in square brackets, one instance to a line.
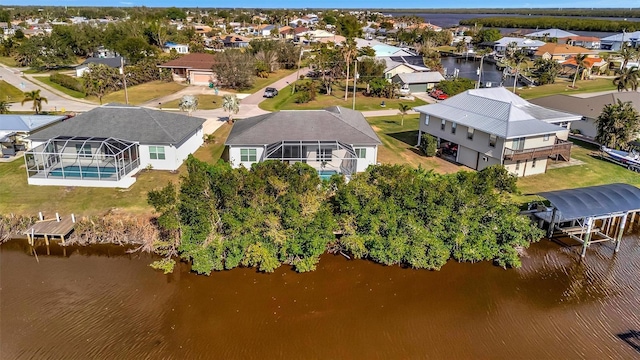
[615, 42]
[106, 146]
[494, 126]
[550, 33]
[418, 81]
[331, 140]
[15, 128]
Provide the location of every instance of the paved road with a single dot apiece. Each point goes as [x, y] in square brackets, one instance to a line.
[256, 98]
[55, 101]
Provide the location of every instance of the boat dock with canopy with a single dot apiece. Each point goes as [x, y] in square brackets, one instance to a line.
[590, 214]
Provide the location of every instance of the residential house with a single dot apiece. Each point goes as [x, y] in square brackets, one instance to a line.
[264, 30]
[14, 130]
[550, 34]
[202, 29]
[587, 42]
[589, 108]
[286, 32]
[591, 65]
[235, 41]
[529, 46]
[493, 126]
[196, 69]
[418, 81]
[107, 146]
[561, 52]
[113, 62]
[179, 48]
[614, 42]
[332, 140]
[402, 65]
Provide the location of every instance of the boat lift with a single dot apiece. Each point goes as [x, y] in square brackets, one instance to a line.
[590, 215]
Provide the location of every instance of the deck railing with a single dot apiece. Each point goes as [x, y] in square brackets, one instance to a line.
[561, 148]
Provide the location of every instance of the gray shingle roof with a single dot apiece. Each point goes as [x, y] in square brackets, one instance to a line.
[330, 124]
[590, 107]
[498, 111]
[113, 62]
[131, 123]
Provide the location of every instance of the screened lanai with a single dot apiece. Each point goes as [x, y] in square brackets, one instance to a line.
[83, 158]
[325, 156]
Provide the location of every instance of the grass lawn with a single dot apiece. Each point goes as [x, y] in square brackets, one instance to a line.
[260, 83]
[399, 141]
[594, 171]
[46, 80]
[141, 93]
[8, 60]
[205, 102]
[563, 86]
[19, 198]
[10, 93]
[286, 101]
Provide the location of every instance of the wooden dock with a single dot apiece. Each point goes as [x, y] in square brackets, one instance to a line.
[50, 229]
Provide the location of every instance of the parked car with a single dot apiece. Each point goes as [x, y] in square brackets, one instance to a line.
[438, 94]
[270, 92]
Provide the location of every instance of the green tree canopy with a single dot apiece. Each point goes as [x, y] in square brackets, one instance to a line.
[617, 125]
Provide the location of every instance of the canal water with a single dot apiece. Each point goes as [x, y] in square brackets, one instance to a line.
[100, 302]
[469, 68]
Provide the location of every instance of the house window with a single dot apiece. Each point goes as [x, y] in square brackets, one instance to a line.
[443, 123]
[83, 151]
[324, 155]
[470, 132]
[361, 153]
[492, 140]
[533, 163]
[156, 152]
[546, 137]
[426, 120]
[517, 165]
[387, 76]
[248, 155]
[453, 128]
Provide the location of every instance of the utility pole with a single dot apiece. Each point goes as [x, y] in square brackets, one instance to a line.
[293, 88]
[355, 78]
[124, 80]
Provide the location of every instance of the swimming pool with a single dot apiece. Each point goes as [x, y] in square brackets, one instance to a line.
[85, 171]
[326, 174]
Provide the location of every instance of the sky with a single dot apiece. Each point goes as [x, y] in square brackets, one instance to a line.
[330, 4]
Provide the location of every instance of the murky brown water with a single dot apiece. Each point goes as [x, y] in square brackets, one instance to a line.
[99, 302]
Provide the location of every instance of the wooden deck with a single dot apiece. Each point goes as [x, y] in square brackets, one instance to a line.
[50, 229]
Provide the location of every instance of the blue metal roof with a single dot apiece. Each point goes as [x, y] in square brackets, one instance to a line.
[27, 123]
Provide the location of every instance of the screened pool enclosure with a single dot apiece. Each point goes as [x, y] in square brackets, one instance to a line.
[82, 158]
[324, 156]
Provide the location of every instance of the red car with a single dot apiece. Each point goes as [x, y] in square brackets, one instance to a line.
[438, 95]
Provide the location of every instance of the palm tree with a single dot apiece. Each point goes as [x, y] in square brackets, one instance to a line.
[483, 52]
[349, 51]
[628, 78]
[580, 61]
[188, 103]
[627, 53]
[4, 107]
[36, 98]
[404, 108]
[518, 58]
[617, 124]
[231, 105]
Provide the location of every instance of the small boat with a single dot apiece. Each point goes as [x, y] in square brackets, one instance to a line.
[629, 159]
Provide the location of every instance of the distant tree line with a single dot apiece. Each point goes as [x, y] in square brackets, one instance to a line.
[566, 23]
[275, 213]
[619, 12]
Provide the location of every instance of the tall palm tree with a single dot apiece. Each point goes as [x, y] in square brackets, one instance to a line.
[4, 107]
[349, 52]
[628, 78]
[627, 53]
[580, 62]
[36, 98]
[517, 59]
[483, 52]
[231, 105]
[404, 108]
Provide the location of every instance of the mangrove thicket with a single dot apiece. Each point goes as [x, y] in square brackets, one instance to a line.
[274, 213]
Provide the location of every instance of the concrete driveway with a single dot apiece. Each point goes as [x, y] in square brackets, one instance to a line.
[256, 98]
